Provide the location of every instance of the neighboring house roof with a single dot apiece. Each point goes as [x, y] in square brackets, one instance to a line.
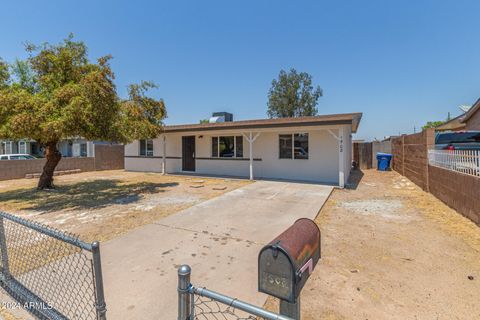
[454, 124]
[459, 123]
[331, 119]
[474, 109]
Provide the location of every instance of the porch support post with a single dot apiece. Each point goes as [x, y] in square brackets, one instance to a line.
[164, 156]
[250, 141]
[341, 158]
[250, 138]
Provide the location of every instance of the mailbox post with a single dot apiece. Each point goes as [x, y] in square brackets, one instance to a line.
[285, 264]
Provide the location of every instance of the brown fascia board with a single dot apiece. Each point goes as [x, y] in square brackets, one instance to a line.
[336, 119]
[475, 108]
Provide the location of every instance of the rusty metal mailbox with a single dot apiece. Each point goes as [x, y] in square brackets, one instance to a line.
[285, 264]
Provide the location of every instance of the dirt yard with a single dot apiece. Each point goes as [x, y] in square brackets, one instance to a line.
[389, 250]
[104, 204]
[392, 251]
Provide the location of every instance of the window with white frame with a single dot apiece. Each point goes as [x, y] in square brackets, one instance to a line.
[83, 150]
[227, 147]
[293, 146]
[146, 148]
[22, 147]
[7, 147]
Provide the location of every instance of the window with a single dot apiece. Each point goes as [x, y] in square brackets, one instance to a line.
[22, 147]
[239, 147]
[4, 158]
[285, 142]
[26, 157]
[300, 146]
[83, 150]
[227, 147]
[458, 137]
[146, 148]
[7, 147]
[293, 146]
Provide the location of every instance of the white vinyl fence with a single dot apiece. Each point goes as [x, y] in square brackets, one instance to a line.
[464, 161]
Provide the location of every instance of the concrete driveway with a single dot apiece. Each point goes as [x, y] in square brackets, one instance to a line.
[220, 239]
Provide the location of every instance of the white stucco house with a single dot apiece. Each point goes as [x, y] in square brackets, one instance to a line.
[316, 149]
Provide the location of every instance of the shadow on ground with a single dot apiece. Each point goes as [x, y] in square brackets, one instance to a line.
[354, 179]
[83, 195]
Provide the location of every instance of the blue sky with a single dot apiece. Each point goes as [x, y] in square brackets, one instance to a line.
[401, 63]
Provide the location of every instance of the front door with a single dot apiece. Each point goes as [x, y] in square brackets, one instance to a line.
[188, 153]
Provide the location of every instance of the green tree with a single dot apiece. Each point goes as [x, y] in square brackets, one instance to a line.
[293, 95]
[57, 93]
[432, 124]
[4, 75]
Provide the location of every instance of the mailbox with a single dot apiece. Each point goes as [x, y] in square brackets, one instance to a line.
[285, 264]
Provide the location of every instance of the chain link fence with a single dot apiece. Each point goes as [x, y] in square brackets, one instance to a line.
[206, 309]
[52, 274]
[195, 303]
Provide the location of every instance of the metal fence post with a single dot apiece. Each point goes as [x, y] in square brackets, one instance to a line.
[291, 310]
[184, 296]
[97, 270]
[3, 249]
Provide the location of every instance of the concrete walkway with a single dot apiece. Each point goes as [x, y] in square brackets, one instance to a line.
[220, 239]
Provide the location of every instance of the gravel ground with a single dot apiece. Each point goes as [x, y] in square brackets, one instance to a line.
[392, 251]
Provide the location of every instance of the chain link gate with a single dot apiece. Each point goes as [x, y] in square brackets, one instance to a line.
[52, 274]
[196, 303]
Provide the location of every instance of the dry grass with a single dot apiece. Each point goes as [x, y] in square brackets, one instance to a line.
[431, 208]
[447, 218]
[103, 205]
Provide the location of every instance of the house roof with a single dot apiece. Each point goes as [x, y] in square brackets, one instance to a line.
[459, 122]
[453, 124]
[474, 109]
[330, 119]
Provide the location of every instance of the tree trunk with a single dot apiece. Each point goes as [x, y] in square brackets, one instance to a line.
[53, 157]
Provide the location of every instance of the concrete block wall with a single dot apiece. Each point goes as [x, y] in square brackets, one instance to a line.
[109, 157]
[17, 169]
[459, 191]
[397, 152]
[410, 153]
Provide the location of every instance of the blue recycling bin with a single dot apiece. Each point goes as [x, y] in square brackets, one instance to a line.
[383, 160]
